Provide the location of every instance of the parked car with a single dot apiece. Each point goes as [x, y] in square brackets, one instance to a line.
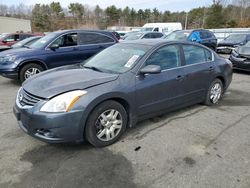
[118, 87]
[54, 50]
[144, 35]
[162, 27]
[240, 57]
[8, 39]
[128, 34]
[23, 43]
[201, 36]
[231, 42]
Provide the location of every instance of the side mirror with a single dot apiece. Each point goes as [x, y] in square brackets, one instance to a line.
[193, 39]
[4, 41]
[151, 69]
[54, 46]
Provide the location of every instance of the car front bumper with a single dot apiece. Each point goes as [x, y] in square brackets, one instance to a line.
[225, 49]
[240, 63]
[50, 127]
[9, 71]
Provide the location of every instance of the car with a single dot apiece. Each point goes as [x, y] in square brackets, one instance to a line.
[8, 39]
[240, 57]
[53, 50]
[202, 36]
[23, 43]
[97, 100]
[144, 35]
[231, 42]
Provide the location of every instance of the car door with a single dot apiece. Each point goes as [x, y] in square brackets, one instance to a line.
[155, 92]
[198, 71]
[90, 43]
[65, 54]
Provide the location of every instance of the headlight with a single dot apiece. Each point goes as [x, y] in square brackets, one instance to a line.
[8, 58]
[63, 102]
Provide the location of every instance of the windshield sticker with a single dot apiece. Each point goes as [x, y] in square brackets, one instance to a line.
[43, 41]
[131, 61]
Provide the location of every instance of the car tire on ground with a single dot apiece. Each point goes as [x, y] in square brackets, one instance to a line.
[106, 124]
[29, 70]
[214, 93]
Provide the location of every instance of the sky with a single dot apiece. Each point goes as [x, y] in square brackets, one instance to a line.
[171, 5]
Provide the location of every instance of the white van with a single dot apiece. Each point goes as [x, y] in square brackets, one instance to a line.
[162, 27]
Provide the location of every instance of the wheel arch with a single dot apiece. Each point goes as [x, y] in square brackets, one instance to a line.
[34, 61]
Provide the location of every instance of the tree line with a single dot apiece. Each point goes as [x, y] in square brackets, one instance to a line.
[51, 17]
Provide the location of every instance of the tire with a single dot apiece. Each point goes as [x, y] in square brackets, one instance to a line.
[214, 92]
[108, 117]
[32, 68]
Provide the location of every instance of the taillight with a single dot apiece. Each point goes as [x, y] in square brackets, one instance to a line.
[229, 63]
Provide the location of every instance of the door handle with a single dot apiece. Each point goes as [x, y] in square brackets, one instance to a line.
[210, 69]
[179, 77]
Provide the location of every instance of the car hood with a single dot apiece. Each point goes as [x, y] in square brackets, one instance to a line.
[224, 42]
[67, 78]
[18, 52]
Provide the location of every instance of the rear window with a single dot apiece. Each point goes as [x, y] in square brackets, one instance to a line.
[93, 38]
[195, 54]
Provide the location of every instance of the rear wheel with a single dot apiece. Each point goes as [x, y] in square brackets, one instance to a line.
[29, 70]
[214, 93]
[106, 124]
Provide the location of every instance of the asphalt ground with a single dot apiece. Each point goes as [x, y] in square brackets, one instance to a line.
[198, 146]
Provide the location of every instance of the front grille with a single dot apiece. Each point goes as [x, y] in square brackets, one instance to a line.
[27, 99]
[225, 45]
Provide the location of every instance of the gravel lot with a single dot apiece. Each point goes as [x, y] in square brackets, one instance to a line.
[198, 146]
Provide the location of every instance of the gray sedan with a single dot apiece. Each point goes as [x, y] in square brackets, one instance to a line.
[126, 83]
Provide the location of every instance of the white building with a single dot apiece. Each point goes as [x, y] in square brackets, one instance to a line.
[12, 25]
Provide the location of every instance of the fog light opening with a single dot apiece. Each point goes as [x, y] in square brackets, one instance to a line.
[45, 132]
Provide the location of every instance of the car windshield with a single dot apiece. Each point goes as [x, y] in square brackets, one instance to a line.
[147, 29]
[178, 35]
[236, 38]
[3, 35]
[42, 42]
[134, 36]
[24, 42]
[118, 58]
[248, 44]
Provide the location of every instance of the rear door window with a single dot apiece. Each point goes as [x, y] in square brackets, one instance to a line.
[93, 38]
[196, 54]
[156, 35]
[24, 36]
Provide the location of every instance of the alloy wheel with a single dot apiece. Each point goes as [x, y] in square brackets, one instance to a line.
[215, 93]
[108, 125]
[30, 72]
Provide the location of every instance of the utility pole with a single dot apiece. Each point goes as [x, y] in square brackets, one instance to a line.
[186, 20]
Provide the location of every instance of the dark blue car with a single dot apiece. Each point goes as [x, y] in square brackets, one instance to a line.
[54, 50]
[202, 36]
[121, 85]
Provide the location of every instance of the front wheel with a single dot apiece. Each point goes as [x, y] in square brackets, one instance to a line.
[29, 70]
[214, 93]
[106, 123]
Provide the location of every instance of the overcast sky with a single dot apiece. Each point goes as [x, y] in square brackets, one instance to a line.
[172, 5]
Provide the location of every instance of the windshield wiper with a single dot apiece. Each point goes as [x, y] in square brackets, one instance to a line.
[26, 46]
[93, 68]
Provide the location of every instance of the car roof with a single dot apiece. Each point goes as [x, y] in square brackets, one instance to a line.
[81, 30]
[157, 42]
